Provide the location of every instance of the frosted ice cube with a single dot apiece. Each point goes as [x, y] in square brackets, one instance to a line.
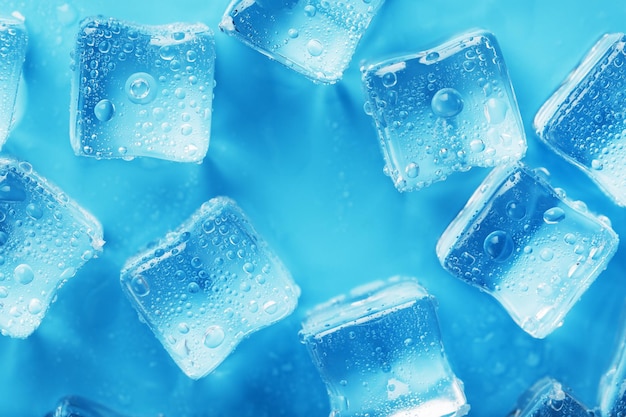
[547, 398]
[444, 110]
[314, 37]
[209, 284]
[142, 90]
[13, 43]
[44, 239]
[612, 390]
[585, 119]
[379, 351]
[527, 245]
[74, 406]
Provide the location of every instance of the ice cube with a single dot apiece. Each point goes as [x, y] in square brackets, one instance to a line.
[142, 90]
[74, 406]
[527, 245]
[44, 239]
[444, 110]
[547, 398]
[209, 284]
[13, 43]
[612, 390]
[379, 351]
[585, 119]
[314, 37]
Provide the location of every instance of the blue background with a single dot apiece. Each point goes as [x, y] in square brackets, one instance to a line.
[303, 161]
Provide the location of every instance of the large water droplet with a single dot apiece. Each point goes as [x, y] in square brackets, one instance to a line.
[141, 88]
[389, 79]
[270, 307]
[447, 102]
[139, 286]
[499, 245]
[213, 337]
[35, 306]
[104, 110]
[412, 170]
[24, 274]
[515, 210]
[553, 215]
[309, 10]
[34, 211]
[314, 47]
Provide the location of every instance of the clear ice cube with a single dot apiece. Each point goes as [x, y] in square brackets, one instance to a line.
[74, 406]
[529, 246]
[44, 239]
[547, 398]
[444, 110]
[584, 121]
[314, 37]
[13, 44]
[612, 390]
[142, 90]
[209, 284]
[380, 353]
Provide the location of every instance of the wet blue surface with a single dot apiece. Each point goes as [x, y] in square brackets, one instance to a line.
[302, 160]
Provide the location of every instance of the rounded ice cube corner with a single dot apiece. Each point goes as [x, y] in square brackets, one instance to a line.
[546, 397]
[527, 245]
[444, 110]
[45, 237]
[379, 352]
[315, 39]
[207, 285]
[142, 91]
[582, 120]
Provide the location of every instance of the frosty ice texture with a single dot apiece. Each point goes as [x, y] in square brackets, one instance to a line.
[142, 90]
[527, 245]
[444, 110]
[613, 384]
[13, 42]
[74, 406]
[44, 238]
[314, 37]
[379, 351]
[206, 286]
[585, 120]
[546, 398]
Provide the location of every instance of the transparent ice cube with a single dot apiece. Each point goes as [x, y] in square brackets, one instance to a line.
[44, 239]
[612, 390]
[142, 90]
[527, 245]
[547, 398]
[444, 110]
[314, 37]
[74, 406]
[209, 284]
[13, 44]
[379, 351]
[584, 121]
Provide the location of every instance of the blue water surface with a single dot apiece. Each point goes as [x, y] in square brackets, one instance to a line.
[302, 160]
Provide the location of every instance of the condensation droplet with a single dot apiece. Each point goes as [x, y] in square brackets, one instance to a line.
[24, 274]
[499, 245]
[141, 88]
[104, 110]
[314, 47]
[412, 170]
[447, 102]
[139, 286]
[553, 215]
[214, 336]
[35, 306]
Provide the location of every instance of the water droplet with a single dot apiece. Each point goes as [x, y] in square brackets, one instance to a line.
[248, 267]
[35, 306]
[104, 110]
[183, 328]
[477, 145]
[553, 215]
[547, 254]
[192, 55]
[214, 337]
[433, 56]
[167, 52]
[309, 10]
[515, 210]
[596, 164]
[314, 47]
[447, 102]
[186, 129]
[570, 238]
[412, 170]
[4, 292]
[196, 262]
[270, 307]
[389, 79]
[139, 286]
[293, 33]
[141, 88]
[193, 287]
[34, 211]
[24, 274]
[499, 245]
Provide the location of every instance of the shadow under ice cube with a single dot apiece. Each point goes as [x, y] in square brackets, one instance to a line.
[44, 239]
[444, 110]
[547, 398]
[527, 245]
[13, 43]
[379, 351]
[314, 37]
[585, 119]
[208, 285]
[142, 90]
